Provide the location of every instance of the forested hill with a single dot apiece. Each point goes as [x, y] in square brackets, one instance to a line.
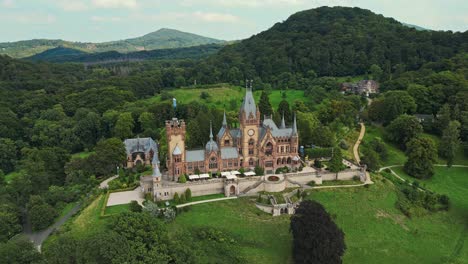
[336, 41]
[62, 54]
[161, 39]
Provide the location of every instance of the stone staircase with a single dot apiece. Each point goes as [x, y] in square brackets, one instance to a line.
[251, 187]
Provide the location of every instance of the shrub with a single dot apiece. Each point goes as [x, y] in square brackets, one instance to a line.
[183, 178]
[176, 198]
[311, 183]
[204, 95]
[259, 171]
[356, 178]
[135, 207]
[182, 199]
[188, 194]
[343, 144]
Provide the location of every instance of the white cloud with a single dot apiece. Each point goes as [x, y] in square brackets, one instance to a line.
[72, 5]
[8, 3]
[115, 3]
[246, 3]
[105, 19]
[193, 16]
[216, 17]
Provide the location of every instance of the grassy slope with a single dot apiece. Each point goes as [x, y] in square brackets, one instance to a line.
[395, 155]
[262, 238]
[221, 95]
[117, 209]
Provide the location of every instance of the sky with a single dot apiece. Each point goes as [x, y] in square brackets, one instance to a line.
[106, 20]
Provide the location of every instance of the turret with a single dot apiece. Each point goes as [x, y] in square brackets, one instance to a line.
[283, 124]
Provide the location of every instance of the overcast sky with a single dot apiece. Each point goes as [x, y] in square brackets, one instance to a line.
[104, 20]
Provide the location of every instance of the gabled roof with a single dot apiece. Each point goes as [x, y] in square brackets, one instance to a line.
[229, 153]
[248, 104]
[195, 155]
[176, 150]
[133, 145]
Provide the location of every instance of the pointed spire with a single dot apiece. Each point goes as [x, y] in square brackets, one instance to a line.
[224, 119]
[283, 124]
[211, 132]
[294, 129]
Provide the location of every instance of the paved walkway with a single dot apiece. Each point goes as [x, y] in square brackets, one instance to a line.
[206, 201]
[356, 151]
[105, 184]
[125, 197]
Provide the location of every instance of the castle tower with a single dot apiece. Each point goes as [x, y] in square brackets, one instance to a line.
[175, 133]
[249, 119]
[294, 137]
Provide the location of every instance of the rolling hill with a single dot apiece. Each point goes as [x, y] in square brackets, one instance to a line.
[162, 39]
[333, 41]
[62, 54]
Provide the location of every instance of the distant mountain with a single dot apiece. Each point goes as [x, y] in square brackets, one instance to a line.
[62, 54]
[331, 41]
[162, 39]
[414, 26]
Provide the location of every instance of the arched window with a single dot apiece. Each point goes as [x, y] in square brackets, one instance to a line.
[278, 162]
[269, 148]
[213, 163]
[283, 161]
[251, 146]
[289, 160]
[251, 162]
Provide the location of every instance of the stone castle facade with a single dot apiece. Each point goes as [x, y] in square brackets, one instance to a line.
[254, 143]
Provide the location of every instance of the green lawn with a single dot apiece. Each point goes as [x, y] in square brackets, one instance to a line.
[334, 183]
[395, 155]
[9, 177]
[207, 197]
[262, 238]
[377, 232]
[221, 95]
[81, 155]
[66, 210]
[117, 209]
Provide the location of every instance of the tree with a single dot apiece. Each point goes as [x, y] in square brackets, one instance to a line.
[421, 153]
[443, 118]
[450, 142]
[109, 154]
[19, 251]
[306, 124]
[397, 103]
[259, 171]
[8, 155]
[264, 105]
[336, 162]
[9, 222]
[88, 129]
[322, 136]
[182, 178]
[283, 108]
[40, 213]
[188, 194]
[376, 72]
[124, 126]
[403, 129]
[371, 159]
[176, 198]
[135, 207]
[316, 238]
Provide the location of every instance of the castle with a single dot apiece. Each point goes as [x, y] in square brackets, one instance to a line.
[254, 143]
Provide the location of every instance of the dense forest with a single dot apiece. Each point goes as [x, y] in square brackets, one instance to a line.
[52, 111]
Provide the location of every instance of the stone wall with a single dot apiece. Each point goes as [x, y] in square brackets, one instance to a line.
[198, 189]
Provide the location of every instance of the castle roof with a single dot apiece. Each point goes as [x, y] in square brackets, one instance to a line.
[176, 150]
[133, 145]
[195, 155]
[211, 145]
[275, 131]
[229, 153]
[248, 104]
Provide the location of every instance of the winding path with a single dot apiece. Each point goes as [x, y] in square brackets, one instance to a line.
[206, 201]
[38, 237]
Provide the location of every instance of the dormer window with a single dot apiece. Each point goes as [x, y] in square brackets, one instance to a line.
[226, 142]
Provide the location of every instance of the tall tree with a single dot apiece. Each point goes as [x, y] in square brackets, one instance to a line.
[124, 126]
[336, 162]
[421, 153]
[316, 238]
[403, 129]
[450, 142]
[264, 105]
[443, 119]
[8, 155]
[110, 153]
[284, 108]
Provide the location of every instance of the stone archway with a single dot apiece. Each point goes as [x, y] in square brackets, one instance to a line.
[232, 190]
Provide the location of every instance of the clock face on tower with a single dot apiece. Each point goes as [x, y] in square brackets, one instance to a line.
[251, 132]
